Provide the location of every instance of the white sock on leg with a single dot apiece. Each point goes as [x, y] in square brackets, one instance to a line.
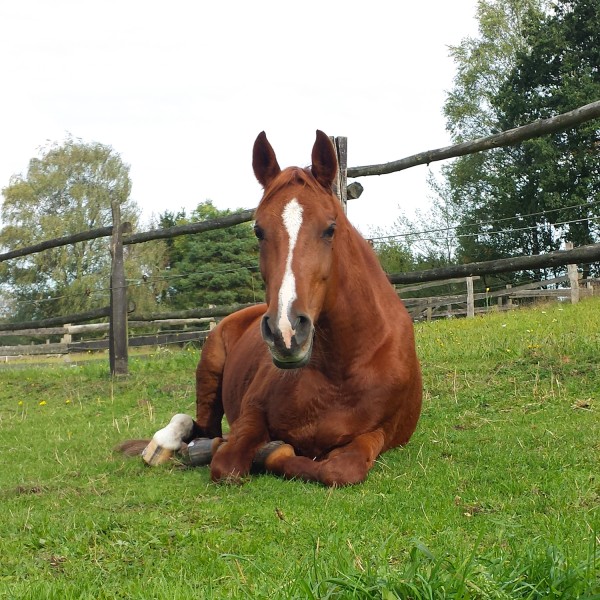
[168, 440]
[171, 436]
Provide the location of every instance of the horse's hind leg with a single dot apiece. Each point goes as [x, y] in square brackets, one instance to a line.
[209, 407]
[346, 465]
[182, 429]
[209, 380]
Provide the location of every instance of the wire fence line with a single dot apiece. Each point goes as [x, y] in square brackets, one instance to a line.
[412, 234]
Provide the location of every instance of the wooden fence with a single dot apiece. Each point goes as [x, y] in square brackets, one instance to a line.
[178, 329]
[118, 310]
[464, 304]
[194, 325]
[186, 330]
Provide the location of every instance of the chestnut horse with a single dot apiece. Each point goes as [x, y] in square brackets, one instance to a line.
[328, 365]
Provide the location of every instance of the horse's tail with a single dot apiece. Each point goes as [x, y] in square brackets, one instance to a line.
[131, 447]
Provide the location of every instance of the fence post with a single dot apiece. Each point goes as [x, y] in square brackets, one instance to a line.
[429, 312]
[67, 338]
[339, 186]
[470, 298]
[573, 277]
[117, 337]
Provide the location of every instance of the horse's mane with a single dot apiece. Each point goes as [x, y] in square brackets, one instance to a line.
[291, 176]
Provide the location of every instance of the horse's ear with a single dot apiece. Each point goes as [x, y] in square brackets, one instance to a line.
[324, 161]
[264, 161]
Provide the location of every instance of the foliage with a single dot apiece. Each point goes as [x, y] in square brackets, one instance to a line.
[67, 190]
[527, 64]
[483, 63]
[460, 224]
[216, 267]
[146, 272]
[482, 196]
[393, 255]
[558, 74]
[426, 242]
[496, 495]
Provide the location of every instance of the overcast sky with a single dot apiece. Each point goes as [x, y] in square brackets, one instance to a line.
[181, 89]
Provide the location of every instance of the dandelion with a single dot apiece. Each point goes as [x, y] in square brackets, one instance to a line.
[67, 401]
[20, 402]
[43, 403]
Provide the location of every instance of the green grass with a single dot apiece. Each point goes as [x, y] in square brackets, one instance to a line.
[496, 496]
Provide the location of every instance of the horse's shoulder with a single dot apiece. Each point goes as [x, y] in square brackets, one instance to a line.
[233, 326]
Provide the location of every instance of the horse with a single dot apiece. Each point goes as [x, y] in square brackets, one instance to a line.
[327, 367]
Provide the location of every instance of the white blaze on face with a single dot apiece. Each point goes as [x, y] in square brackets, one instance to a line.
[292, 220]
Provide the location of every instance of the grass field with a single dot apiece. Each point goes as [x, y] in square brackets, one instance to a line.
[496, 496]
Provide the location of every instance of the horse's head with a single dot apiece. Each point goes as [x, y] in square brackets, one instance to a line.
[296, 227]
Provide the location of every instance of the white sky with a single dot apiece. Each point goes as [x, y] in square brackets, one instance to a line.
[181, 89]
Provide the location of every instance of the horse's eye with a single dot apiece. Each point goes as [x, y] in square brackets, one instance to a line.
[259, 233]
[328, 233]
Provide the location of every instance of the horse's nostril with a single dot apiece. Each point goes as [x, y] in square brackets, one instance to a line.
[266, 330]
[302, 327]
[301, 322]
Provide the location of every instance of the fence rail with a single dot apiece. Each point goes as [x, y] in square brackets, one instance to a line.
[68, 346]
[506, 138]
[583, 254]
[420, 308]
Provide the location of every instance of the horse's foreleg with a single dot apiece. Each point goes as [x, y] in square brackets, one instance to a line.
[233, 460]
[346, 465]
[351, 463]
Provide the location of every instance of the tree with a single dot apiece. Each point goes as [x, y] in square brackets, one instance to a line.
[217, 267]
[559, 73]
[509, 199]
[472, 187]
[393, 254]
[426, 242]
[68, 189]
[483, 63]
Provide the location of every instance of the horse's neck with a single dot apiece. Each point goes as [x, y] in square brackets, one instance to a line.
[358, 310]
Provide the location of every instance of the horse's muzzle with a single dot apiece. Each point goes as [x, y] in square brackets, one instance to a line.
[299, 351]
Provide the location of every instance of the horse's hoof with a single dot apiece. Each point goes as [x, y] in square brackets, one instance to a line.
[266, 458]
[154, 455]
[201, 450]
